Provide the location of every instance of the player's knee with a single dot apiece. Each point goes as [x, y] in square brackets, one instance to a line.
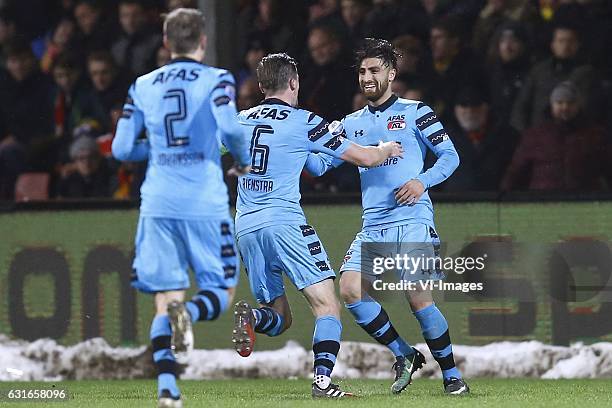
[419, 304]
[350, 291]
[162, 299]
[331, 308]
[419, 299]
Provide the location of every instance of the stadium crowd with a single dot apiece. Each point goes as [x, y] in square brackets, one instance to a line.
[523, 86]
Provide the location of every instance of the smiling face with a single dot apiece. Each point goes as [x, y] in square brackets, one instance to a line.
[375, 78]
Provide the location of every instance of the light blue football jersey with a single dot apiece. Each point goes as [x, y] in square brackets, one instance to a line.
[416, 127]
[188, 110]
[280, 138]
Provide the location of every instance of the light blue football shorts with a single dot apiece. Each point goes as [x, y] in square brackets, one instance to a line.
[295, 250]
[166, 248]
[408, 241]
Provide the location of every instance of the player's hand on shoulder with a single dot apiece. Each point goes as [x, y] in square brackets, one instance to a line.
[237, 170]
[410, 193]
[393, 149]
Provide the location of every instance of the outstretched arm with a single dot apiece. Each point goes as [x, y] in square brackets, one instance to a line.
[317, 164]
[331, 139]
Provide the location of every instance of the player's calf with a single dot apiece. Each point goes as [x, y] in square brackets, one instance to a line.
[436, 334]
[208, 304]
[373, 318]
[164, 360]
[326, 338]
[325, 347]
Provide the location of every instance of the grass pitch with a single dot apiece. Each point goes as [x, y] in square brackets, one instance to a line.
[296, 393]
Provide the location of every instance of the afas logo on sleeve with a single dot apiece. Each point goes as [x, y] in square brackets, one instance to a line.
[396, 122]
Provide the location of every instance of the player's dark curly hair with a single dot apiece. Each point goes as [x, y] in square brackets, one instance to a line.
[377, 48]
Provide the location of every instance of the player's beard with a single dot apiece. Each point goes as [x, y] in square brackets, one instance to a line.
[379, 90]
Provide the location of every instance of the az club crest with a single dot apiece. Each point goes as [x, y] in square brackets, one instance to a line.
[396, 122]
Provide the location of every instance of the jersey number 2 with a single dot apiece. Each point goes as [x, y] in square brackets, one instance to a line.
[260, 152]
[175, 116]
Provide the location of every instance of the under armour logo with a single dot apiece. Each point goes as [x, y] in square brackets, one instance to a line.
[358, 133]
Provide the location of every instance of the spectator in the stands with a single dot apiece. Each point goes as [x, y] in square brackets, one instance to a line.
[507, 68]
[61, 40]
[277, 26]
[500, 12]
[324, 12]
[75, 102]
[564, 64]
[595, 17]
[354, 13]
[136, 48]
[249, 94]
[414, 64]
[12, 164]
[392, 18]
[328, 82]
[26, 105]
[256, 50]
[484, 145]
[88, 175]
[417, 91]
[564, 151]
[399, 85]
[109, 85]
[8, 31]
[454, 64]
[95, 31]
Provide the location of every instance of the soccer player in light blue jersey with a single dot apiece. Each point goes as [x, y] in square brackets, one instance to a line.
[187, 110]
[397, 210]
[272, 232]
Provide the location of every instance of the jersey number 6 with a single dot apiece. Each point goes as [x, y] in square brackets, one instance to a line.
[259, 151]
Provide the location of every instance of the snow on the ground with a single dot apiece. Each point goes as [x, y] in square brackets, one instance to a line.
[45, 360]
